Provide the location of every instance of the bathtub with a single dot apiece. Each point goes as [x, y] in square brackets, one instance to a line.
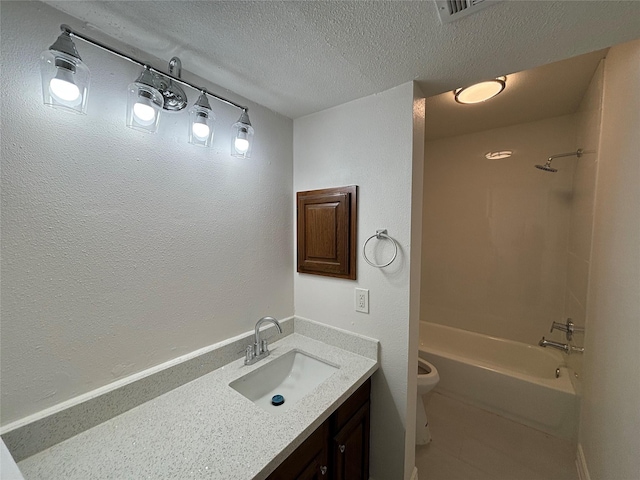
[512, 379]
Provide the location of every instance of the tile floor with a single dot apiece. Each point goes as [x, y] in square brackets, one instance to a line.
[472, 444]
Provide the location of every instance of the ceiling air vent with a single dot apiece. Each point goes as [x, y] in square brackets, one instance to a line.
[452, 10]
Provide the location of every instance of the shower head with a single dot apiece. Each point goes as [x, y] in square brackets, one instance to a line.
[547, 166]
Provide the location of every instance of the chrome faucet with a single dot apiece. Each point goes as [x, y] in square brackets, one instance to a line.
[560, 346]
[566, 348]
[260, 348]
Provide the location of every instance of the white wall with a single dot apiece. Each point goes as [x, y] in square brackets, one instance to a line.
[369, 143]
[120, 249]
[609, 432]
[495, 232]
[581, 222]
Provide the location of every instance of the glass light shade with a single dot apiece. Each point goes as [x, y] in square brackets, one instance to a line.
[480, 92]
[201, 126]
[242, 137]
[65, 81]
[144, 104]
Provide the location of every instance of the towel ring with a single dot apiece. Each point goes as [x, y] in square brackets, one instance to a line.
[380, 234]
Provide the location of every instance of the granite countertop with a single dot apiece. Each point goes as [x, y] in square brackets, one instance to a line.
[204, 429]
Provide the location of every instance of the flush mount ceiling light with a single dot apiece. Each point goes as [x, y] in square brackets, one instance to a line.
[65, 84]
[498, 155]
[480, 92]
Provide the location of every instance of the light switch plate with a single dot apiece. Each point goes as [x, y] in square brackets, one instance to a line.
[362, 300]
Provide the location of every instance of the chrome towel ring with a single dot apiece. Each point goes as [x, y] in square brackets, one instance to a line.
[380, 235]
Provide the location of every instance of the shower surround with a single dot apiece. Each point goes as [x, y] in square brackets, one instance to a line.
[496, 231]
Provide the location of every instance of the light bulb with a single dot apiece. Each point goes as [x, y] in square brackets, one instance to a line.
[200, 130]
[63, 89]
[241, 145]
[144, 114]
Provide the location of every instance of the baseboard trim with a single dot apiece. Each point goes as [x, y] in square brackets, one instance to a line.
[581, 464]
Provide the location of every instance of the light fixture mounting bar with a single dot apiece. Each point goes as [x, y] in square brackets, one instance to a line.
[84, 38]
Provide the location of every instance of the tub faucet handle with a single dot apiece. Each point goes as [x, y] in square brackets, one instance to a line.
[569, 328]
[563, 327]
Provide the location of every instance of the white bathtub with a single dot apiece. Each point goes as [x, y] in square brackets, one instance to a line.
[512, 379]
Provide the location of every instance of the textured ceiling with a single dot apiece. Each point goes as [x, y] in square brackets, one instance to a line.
[301, 57]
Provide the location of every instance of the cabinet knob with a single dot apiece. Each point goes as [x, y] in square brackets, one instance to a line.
[323, 470]
[341, 447]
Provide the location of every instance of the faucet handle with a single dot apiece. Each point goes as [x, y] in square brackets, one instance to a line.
[569, 328]
[561, 326]
[264, 347]
[248, 354]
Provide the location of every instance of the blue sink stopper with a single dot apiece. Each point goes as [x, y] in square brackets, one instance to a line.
[277, 400]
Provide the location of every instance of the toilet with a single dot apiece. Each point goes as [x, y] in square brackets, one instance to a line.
[428, 378]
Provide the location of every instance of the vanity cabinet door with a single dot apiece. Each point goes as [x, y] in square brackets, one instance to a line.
[308, 461]
[343, 439]
[316, 470]
[350, 448]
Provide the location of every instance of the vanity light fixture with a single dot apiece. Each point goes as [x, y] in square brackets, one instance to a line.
[65, 84]
[241, 139]
[480, 92]
[498, 155]
[144, 103]
[201, 120]
[65, 78]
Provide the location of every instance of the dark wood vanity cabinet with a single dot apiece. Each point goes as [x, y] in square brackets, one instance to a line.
[338, 449]
[308, 461]
[350, 448]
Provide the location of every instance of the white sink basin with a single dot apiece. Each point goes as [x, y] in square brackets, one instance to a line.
[293, 375]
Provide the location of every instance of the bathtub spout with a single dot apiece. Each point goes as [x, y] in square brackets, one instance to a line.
[560, 346]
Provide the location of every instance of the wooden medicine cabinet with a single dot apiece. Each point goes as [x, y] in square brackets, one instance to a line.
[327, 221]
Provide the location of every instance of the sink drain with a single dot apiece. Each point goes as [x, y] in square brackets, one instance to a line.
[277, 400]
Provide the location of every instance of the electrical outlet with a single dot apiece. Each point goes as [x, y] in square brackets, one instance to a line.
[362, 300]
